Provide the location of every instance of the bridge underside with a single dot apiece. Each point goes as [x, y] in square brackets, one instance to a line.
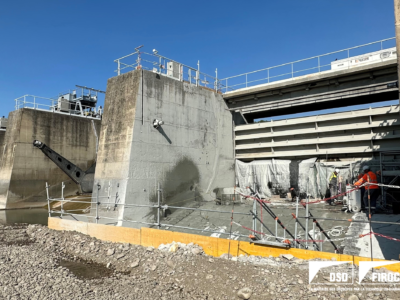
[329, 89]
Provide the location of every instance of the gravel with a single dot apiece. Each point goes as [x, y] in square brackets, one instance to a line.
[39, 263]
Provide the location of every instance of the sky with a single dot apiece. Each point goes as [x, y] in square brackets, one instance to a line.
[47, 46]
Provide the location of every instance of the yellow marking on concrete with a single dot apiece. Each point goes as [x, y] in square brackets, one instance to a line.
[61, 224]
[155, 237]
[114, 234]
[212, 246]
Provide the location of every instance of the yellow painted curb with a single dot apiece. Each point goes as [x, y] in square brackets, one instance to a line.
[212, 246]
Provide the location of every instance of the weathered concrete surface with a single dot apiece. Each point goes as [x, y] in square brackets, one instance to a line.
[190, 155]
[24, 170]
[381, 247]
[2, 135]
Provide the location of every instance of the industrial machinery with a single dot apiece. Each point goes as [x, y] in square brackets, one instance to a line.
[353, 199]
[3, 122]
[81, 101]
[84, 179]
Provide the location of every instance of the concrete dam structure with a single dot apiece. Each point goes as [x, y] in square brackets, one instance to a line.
[24, 170]
[190, 155]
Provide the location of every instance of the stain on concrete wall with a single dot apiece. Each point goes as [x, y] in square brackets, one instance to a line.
[2, 136]
[180, 187]
[119, 118]
[24, 169]
[190, 155]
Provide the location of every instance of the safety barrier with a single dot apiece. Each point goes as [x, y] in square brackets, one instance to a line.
[162, 65]
[64, 106]
[302, 238]
[315, 64]
[149, 237]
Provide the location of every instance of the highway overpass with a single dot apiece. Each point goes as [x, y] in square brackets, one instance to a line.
[327, 89]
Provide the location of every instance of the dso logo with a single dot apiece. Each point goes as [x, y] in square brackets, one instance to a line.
[336, 275]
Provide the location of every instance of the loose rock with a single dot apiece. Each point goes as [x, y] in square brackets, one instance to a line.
[245, 293]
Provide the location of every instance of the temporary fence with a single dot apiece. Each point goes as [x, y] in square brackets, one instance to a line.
[261, 232]
[111, 202]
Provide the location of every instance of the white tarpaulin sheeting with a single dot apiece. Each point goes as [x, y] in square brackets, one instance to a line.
[276, 177]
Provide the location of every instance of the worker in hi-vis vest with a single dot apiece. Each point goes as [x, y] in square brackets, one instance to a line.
[370, 189]
[333, 185]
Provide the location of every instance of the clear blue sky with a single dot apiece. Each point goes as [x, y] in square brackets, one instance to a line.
[49, 46]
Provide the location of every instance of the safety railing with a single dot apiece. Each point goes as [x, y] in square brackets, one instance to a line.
[167, 67]
[57, 106]
[314, 64]
[261, 232]
[110, 202]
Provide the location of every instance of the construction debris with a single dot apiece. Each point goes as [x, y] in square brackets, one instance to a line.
[146, 273]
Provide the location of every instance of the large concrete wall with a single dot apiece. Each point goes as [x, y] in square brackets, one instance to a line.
[24, 169]
[190, 155]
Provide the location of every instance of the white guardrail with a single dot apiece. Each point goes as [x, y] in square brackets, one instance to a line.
[167, 67]
[57, 106]
[314, 64]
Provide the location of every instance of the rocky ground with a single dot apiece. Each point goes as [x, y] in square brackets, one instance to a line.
[39, 263]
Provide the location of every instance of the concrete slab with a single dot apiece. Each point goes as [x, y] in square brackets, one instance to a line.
[382, 247]
[220, 222]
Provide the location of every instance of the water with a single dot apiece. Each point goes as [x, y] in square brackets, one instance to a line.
[30, 216]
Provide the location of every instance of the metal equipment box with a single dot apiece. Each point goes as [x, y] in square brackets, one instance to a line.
[354, 199]
[173, 69]
[63, 105]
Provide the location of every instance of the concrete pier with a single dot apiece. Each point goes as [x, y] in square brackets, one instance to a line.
[190, 155]
[24, 169]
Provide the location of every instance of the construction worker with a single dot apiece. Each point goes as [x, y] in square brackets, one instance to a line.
[333, 185]
[293, 194]
[371, 190]
[362, 190]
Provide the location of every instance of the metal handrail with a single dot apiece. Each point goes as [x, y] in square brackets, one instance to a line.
[96, 203]
[25, 102]
[158, 62]
[297, 61]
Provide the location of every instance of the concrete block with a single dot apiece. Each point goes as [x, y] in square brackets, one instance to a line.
[24, 170]
[183, 155]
